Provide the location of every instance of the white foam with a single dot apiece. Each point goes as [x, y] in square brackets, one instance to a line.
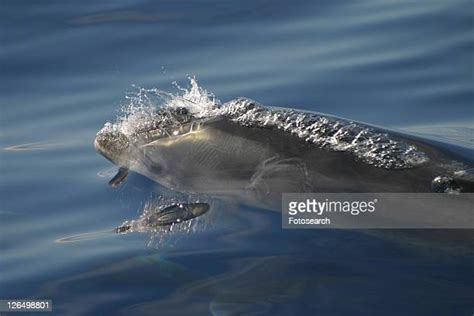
[195, 99]
[151, 108]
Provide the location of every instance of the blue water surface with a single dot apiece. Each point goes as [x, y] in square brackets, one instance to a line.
[65, 69]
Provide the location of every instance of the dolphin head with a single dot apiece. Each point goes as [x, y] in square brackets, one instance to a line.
[113, 145]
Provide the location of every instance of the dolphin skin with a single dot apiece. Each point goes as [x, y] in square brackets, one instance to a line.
[256, 153]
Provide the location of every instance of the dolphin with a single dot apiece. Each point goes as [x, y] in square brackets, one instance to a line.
[255, 153]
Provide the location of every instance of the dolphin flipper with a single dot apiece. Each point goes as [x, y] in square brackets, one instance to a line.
[119, 177]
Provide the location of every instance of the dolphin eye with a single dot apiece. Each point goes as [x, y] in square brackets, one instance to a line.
[182, 111]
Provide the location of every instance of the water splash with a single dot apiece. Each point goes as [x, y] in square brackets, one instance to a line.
[153, 111]
[195, 98]
[146, 223]
[158, 234]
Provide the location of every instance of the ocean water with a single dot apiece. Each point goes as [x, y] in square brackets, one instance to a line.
[66, 68]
